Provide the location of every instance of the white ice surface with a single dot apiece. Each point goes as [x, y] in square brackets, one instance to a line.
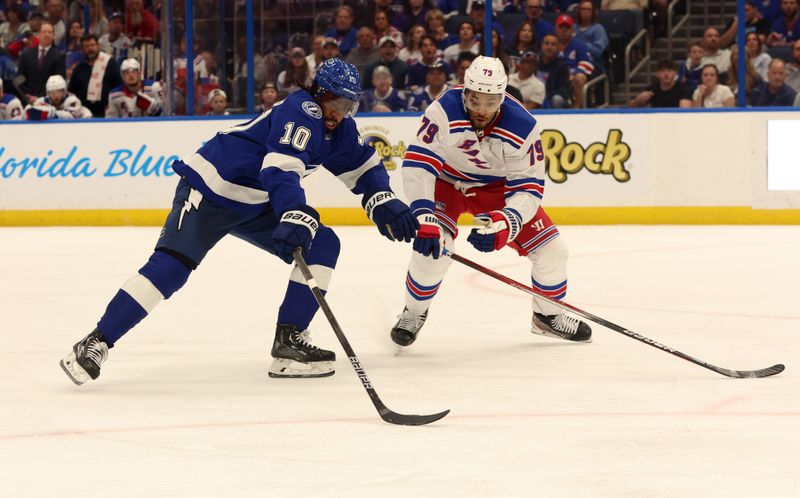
[184, 407]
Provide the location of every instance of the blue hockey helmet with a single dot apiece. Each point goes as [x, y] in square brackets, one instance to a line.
[341, 79]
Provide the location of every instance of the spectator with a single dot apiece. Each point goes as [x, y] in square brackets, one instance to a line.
[499, 49]
[413, 12]
[774, 91]
[115, 43]
[343, 31]
[637, 7]
[467, 42]
[463, 62]
[666, 92]
[136, 97]
[591, 34]
[555, 73]
[240, 71]
[57, 104]
[793, 68]
[754, 22]
[37, 64]
[410, 53]
[785, 29]
[365, 52]
[751, 78]
[524, 79]
[35, 21]
[689, 73]
[93, 78]
[268, 97]
[218, 102]
[315, 57]
[330, 48]
[398, 68]
[436, 85]
[541, 27]
[524, 40]
[754, 50]
[72, 47]
[10, 106]
[365, 10]
[55, 15]
[14, 28]
[140, 23]
[478, 15]
[98, 22]
[205, 68]
[383, 28]
[576, 55]
[296, 75]
[434, 22]
[418, 70]
[382, 92]
[713, 54]
[710, 93]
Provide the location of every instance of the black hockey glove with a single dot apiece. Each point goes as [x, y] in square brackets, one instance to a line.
[296, 229]
[392, 216]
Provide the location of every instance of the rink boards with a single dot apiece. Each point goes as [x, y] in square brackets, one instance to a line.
[602, 168]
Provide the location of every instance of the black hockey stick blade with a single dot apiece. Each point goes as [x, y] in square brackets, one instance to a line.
[751, 374]
[401, 419]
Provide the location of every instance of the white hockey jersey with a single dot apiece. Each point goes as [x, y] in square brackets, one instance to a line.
[123, 103]
[70, 108]
[449, 148]
[10, 108]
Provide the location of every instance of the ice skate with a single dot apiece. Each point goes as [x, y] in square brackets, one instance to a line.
[408, 325]
[84, 360]
[295, 356]
[561, 326]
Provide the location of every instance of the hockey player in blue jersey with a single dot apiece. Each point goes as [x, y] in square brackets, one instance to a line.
[246, 182]
[478, 150]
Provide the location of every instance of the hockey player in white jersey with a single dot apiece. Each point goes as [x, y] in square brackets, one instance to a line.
[245, 182]
[10, 106]
[57, 104]
[478, 150]
[136, 97]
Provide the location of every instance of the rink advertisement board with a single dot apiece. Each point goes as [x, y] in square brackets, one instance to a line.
[600, 168]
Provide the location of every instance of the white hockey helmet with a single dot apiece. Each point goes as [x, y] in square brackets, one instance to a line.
[486, 75]
[129, 65]
[55, 83]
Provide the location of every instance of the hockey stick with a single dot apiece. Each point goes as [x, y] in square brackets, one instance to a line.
[739, 374]
[385, 413]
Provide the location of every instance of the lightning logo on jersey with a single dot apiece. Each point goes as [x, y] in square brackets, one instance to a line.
[193, 201]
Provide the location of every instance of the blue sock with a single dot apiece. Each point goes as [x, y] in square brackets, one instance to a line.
[121, 315]
[298, 307]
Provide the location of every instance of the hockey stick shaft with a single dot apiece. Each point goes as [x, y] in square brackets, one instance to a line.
[766, 372]
[385, 413]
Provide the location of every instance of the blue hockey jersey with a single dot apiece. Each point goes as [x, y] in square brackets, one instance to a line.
[263, 160]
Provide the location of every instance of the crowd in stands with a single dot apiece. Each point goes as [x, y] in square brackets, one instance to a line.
[80, 58]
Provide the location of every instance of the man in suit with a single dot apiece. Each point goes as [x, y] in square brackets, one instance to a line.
[37, 64]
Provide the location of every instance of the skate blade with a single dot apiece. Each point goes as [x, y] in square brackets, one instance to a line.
[74, 371]
[552, 335]
[290, 369]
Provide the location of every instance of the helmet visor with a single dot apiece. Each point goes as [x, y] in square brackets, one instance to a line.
[482, 103]
[346, 107]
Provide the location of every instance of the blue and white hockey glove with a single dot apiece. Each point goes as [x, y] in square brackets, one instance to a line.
[499, 228]
[429, 240]
[392, 216]
[297, 228]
